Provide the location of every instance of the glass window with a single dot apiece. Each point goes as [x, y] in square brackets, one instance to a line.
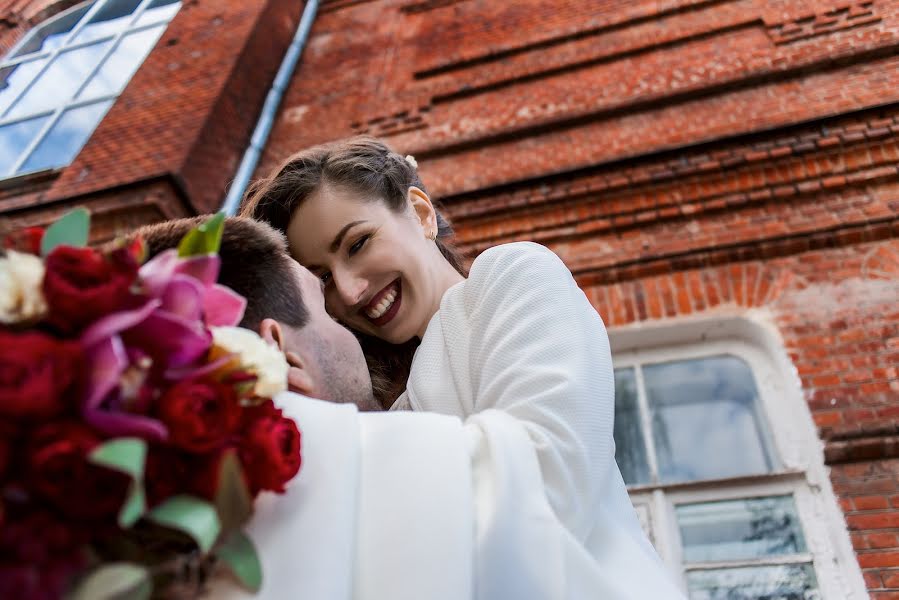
[14, 138]
[66, 137]
[740, 529]
[695, 432]
[120, 66]
[15, 78]
[704, 421]
[776, 582]
[159, 11]
[52, 34]
[62, 78]
[630, 448]
[112, 18]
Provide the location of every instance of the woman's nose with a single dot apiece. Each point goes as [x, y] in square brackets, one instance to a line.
[350, 289]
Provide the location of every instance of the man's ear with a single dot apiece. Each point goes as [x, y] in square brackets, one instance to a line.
[298, 377]
[424, 209]
[270, 331]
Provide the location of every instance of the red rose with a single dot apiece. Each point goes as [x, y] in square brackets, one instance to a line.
[270, 450]
[200, 415]
[25, 240]
[169, 472]
[81, 285]
[38, 375]
[58, 471]
[40, 556]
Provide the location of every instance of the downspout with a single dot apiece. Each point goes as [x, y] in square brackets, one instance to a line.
[267, 117]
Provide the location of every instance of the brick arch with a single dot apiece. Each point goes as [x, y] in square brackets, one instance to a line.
[669, 295]
[882, 263]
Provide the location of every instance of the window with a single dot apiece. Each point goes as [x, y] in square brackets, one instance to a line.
[57, 84]
[724, 467]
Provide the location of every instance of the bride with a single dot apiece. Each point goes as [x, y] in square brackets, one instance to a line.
[513, 348]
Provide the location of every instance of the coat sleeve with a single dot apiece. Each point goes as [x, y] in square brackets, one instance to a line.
[539, 353]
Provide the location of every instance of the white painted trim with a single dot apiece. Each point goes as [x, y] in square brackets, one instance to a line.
[753, 335]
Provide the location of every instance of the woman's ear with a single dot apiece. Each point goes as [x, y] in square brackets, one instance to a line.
[424, 209]
[270, 331]
[298, 377]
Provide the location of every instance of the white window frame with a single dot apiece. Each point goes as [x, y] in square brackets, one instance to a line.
[791, 440]
[49, 56]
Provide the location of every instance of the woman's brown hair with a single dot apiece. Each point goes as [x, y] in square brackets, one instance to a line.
[367, 165]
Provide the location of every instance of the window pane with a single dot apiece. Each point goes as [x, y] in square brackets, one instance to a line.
[51, 35]
[781, 582]
[158, 11]
[61, 79]
[14, 139]
[14, 79]
[116, 72]
[705, 419]
[630, 449]
[66, 138]
[112, 18]
[740, 529]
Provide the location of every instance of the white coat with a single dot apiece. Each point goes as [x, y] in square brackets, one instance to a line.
[500, 483]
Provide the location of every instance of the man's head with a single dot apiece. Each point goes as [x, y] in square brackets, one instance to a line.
[285, 305]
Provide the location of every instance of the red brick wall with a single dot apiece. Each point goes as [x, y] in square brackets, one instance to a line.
[684, 157]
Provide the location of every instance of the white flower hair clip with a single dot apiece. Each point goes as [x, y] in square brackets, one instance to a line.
[411, 160]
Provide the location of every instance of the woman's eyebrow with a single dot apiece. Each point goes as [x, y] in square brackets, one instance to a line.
[338, 239]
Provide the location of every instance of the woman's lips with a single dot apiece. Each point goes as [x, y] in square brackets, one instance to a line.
[384, 306]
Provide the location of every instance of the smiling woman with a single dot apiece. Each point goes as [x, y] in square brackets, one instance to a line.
[57, 84]
[358, 216]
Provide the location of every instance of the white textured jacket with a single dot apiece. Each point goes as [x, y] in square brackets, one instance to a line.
[501, 482]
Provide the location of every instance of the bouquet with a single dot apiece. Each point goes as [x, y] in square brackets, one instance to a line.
[136, 420]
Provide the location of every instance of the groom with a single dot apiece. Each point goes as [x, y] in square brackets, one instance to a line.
[396, 505]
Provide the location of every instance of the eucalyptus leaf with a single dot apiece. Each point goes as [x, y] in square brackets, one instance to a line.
[72, 229]
[193, 516]
[232, 498]
[238, 553]
[116, 581]
[127, 455]
[203, 239]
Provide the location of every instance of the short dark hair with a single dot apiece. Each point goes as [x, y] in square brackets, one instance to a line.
[255, 264]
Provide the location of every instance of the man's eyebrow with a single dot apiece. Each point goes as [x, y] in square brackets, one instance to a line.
[338, 239]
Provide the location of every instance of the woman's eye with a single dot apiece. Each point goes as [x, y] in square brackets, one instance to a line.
[357, 246]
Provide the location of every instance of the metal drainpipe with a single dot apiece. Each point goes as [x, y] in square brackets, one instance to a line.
[269, 110]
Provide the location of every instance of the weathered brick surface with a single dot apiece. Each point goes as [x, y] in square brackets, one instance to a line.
[684, 157]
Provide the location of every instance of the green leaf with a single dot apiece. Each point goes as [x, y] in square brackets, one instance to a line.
[203, 239]
[232, 498]
[116, 581]
[129, 456]
[193, 516]
[126, 454]
[72, 229]
[239, 554]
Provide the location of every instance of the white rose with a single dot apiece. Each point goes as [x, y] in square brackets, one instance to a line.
[21, 297]
[265, 361]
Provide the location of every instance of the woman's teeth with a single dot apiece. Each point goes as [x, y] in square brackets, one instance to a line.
[383, 306]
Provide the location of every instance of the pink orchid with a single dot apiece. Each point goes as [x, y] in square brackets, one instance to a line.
[170, 331]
